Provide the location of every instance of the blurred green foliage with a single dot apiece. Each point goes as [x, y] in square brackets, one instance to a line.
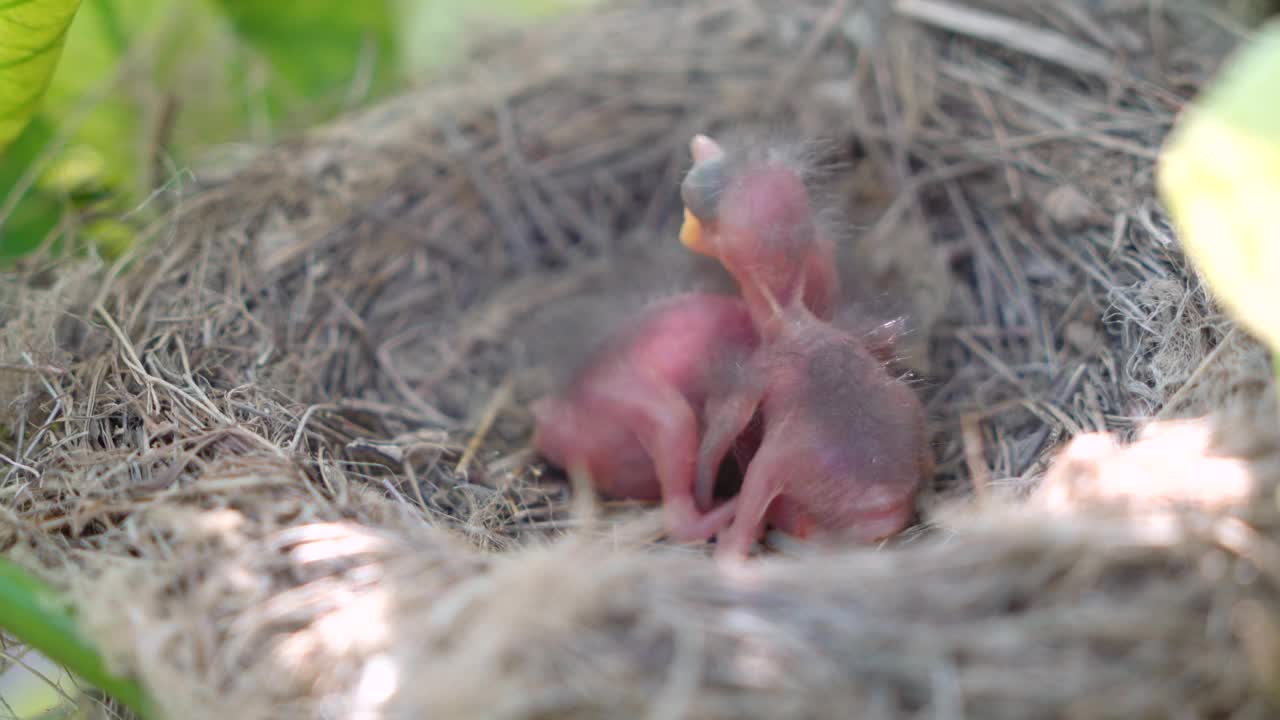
[40, 618]
[144, 87]
[1219, 174]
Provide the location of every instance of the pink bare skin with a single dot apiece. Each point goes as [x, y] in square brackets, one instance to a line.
[631, 418]
[843, 447]
[777, 248]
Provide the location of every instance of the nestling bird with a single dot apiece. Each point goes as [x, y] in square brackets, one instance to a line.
[843, 447]
[631, 418]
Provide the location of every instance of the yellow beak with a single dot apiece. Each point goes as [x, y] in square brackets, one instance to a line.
[692, 235]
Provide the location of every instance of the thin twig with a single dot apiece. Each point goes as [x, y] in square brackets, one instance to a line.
[1013, 34]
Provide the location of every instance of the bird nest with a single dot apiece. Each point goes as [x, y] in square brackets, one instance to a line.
[279, 456]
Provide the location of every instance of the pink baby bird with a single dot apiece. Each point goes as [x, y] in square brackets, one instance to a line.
[631, 417]
[844, 448]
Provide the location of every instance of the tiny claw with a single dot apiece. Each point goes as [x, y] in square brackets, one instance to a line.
[686, 524]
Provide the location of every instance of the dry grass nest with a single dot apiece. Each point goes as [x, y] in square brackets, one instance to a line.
[279, 456]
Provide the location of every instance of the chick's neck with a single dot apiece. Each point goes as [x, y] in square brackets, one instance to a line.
[772, 304]
[810, 287]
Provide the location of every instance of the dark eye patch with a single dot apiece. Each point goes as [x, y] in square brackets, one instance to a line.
[702, 188]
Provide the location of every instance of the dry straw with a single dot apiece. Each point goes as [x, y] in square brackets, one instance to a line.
[280, 456]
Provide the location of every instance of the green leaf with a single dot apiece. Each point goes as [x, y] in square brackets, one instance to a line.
[35, 214]
[31, 38]
[319, 46]
[29, 226]
[37, 617]
[1219, 174]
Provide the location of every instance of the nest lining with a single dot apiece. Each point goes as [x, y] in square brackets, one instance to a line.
[281, 454]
